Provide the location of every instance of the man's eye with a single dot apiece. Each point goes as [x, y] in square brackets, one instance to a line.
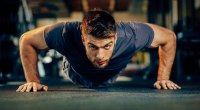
[92, 47]
[107, 47]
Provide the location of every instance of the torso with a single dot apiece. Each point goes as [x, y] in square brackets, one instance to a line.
[75, 53]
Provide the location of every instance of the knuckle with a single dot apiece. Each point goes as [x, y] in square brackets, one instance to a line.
[21, 86]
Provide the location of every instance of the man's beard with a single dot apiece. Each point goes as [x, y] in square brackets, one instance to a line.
[101, 67]
[95, 64]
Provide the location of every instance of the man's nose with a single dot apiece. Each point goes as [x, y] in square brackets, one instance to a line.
[100, 54]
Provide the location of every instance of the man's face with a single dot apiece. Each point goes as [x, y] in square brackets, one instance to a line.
[99, 51]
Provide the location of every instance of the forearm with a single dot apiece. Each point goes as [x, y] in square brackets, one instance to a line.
[29, 58]
[166, 57]
[165, 40]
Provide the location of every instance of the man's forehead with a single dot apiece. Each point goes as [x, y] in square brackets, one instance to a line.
[100, 43]
[94, 40]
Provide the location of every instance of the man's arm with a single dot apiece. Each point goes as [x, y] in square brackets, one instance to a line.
[165, 40]
[30, 42]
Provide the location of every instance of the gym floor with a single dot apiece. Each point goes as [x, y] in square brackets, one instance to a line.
[123, 95]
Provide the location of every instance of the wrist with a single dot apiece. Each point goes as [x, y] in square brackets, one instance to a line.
[163, 78]
[37, 81]
[32, 78]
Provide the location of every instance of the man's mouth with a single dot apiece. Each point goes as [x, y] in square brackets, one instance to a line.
[101, 62]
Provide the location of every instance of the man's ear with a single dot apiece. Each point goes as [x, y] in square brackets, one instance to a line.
[115, 37]
[82, 38]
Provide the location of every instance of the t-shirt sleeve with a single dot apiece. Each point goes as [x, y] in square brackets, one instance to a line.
[143, 35]
[53, 36]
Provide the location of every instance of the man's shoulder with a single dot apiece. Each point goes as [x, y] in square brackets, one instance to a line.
[72, 23]
[125, 30]
[72, 26]
[125, 23]
[128, 24]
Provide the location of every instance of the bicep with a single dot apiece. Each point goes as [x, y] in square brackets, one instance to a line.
[161, 35]
[35, 38]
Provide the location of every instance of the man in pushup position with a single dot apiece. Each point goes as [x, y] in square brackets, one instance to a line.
[96, 50]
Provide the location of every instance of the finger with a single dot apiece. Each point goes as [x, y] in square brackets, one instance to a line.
[20, 88]
[157, 82]
[178, 87]
[29, 87]
[163, 85]
[156, 85]
[174, 87]
[24, 88]
[45, 88]
[34, 87]
[169, 85]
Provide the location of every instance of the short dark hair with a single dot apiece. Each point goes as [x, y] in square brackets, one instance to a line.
[99, 23]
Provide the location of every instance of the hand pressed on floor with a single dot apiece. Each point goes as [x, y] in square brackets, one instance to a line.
[166, 84]
[32, 86]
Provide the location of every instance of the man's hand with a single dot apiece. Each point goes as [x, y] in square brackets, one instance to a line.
[166, 84]
[34, 86]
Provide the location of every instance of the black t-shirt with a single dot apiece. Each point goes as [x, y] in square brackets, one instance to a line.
[66, 39]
